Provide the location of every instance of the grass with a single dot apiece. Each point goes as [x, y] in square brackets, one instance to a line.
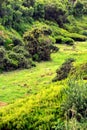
[40, 109]
[20, 83]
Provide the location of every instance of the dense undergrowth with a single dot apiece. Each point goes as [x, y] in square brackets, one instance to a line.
[33, 31]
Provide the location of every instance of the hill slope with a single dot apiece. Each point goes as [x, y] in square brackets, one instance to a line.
[37, 38]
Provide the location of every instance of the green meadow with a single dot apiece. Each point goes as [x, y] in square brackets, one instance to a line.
[21, 83]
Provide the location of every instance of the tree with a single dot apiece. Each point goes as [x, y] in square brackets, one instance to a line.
[38, 44]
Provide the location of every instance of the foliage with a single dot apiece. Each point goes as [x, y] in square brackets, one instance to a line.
[39, 11]
[78, 9]
[64, 40]
[79, 71]
[64, 70]
[2, 41]
[55, 13]
[46, 105]
[38, 43]
[41, 109]
[77, 37]
[75, 103]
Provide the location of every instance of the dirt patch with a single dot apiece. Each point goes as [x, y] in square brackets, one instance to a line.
[2, 104]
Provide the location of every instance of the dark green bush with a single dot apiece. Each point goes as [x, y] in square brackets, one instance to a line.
[55, 13]
[17, 41]
[2, 56]
[59, 39]
[35, 57]
[67, 41]
[64, 40]
[43, 49]
[84, 33]
[21, 50]
[39, 11]
[23, 62]
[6, 42]
[46, 31]
[54, 48]
[9, 64]
[28, 3]
[64, 70]
[2, 52]
[38, 44]
[78, 8]
[11, 60]
[20, 60]
[2, 41]
[77, 37]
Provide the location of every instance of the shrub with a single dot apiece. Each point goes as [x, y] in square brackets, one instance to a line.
[22, 50]
[55, 13]
[68, 41]
[39, 11]
[8, 44]
[64, 70]
[54, 48]
[2, 52]
[20, 60]
[73, 124]
[59, 39]
[23, 62]
[64, 40]
[79, 72]
[35, 57]
[2, 56]
[46, 31]
[84, 33]
[38, 44]
[9, 64]
[43, 49]
[28, 3]
[2, 41]
[78, 9]
[77, 37]
[75, 103]
[12, 60]
[17, 41]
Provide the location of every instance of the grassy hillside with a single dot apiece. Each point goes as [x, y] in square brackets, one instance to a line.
[22, 83]
[41, 96]
[43, 66]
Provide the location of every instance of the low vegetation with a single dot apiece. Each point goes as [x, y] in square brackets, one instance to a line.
[64, 71]
[43, 67]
